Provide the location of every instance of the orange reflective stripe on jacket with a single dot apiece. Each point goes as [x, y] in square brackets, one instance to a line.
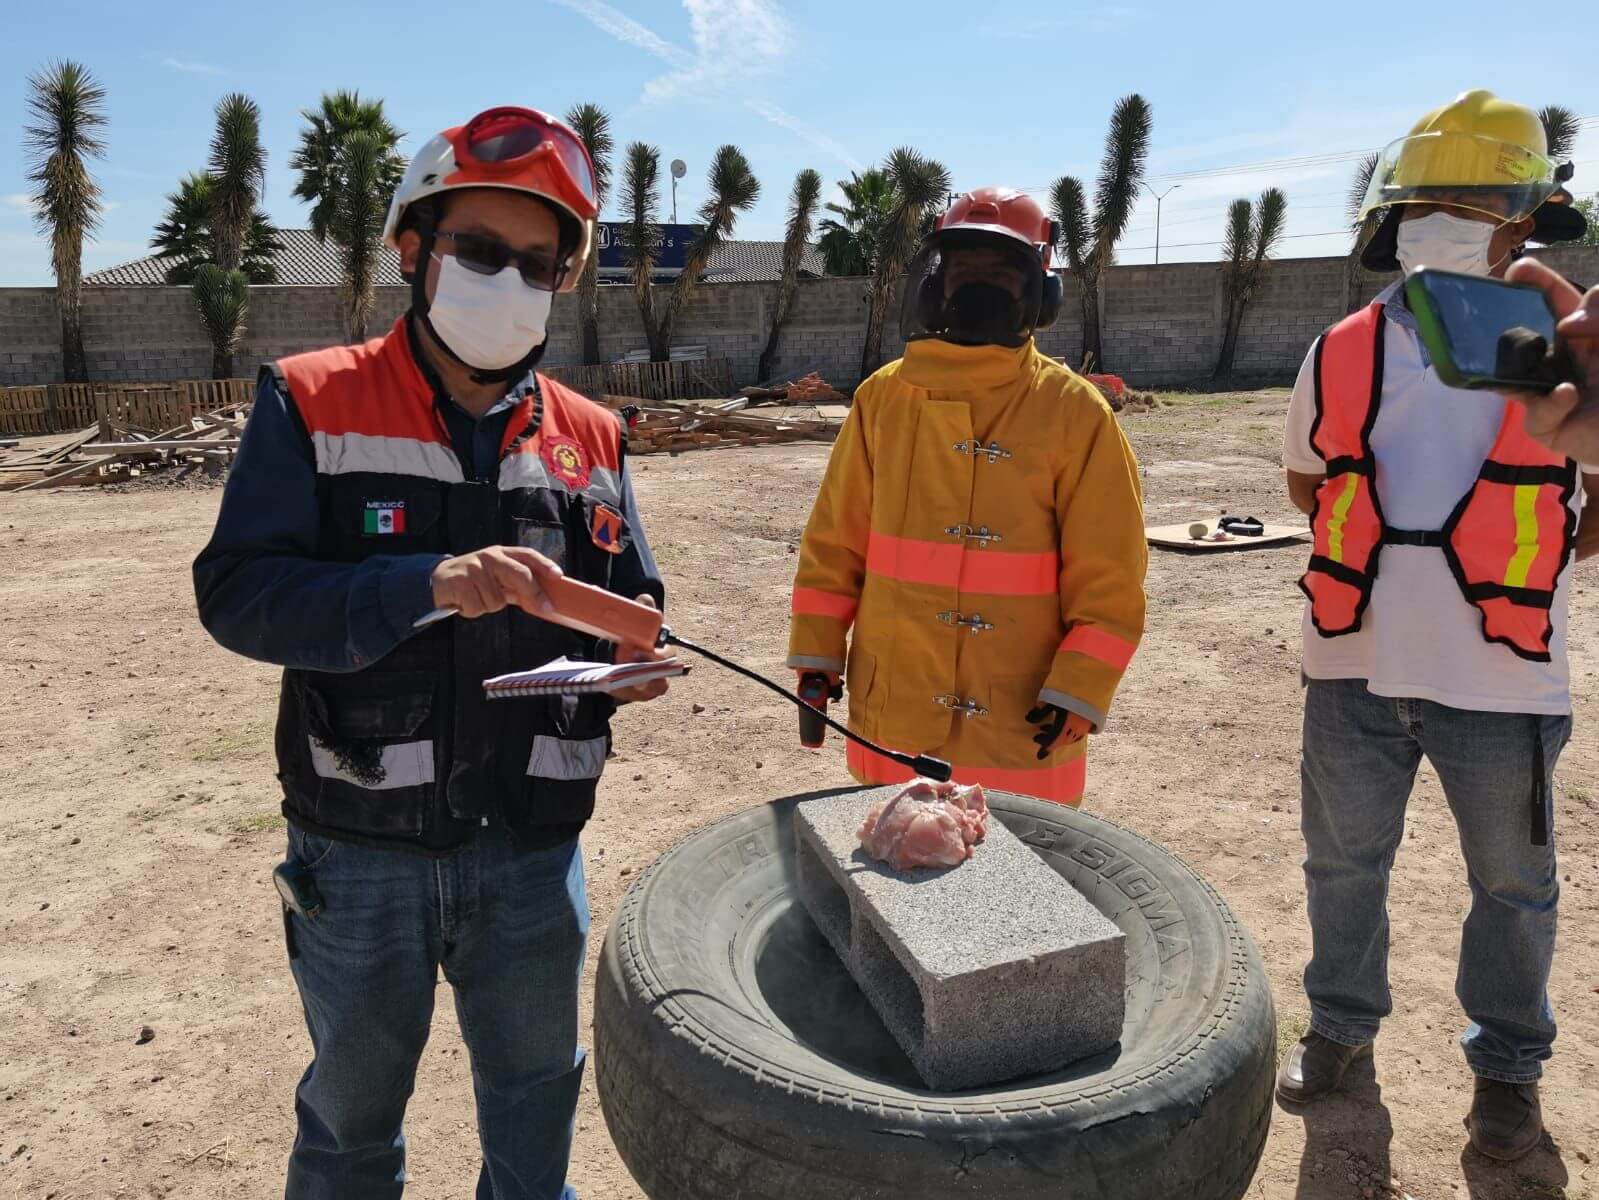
[1506, 541]
[969, 571]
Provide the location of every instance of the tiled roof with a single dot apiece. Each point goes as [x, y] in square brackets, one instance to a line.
[306, 262]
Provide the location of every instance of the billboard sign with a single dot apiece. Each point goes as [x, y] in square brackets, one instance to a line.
[675, 241]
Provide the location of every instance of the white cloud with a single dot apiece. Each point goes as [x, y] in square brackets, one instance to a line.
[755, 34]
[187, 66]
[20, 202]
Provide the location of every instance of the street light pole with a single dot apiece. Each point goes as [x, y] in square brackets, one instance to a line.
[1159, 196]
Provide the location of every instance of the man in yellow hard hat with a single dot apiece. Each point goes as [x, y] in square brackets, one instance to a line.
[1456, 649]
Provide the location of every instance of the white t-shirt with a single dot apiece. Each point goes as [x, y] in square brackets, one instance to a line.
[1419, 637]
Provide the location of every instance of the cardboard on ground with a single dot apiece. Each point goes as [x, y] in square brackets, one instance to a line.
[1176, 537]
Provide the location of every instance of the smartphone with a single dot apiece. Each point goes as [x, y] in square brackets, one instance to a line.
[1463, 320]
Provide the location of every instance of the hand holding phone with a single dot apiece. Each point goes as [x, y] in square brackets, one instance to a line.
[1487, 334]
[1566, 419]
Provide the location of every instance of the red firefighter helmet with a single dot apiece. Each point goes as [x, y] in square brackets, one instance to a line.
[1005, 212]
[992, 219]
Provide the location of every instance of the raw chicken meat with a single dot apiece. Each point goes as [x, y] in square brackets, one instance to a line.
[926, 825]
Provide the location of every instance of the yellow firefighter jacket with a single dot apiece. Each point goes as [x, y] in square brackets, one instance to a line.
[981, 527]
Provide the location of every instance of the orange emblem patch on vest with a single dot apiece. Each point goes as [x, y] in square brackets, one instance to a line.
[606, 529]
[567, 461]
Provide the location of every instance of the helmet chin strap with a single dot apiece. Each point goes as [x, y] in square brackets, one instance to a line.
[419, 308]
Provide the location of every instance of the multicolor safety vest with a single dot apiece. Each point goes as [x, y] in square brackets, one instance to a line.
[1506, 541]
[407, 752]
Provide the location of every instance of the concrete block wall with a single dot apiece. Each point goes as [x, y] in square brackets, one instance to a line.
[1162, 325]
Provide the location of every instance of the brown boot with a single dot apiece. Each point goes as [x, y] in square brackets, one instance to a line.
[1505, 1120]
[1316, 1066]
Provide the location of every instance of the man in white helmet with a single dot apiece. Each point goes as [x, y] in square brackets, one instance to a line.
[429, 828]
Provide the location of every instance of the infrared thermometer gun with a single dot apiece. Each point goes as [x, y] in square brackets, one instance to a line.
[590, 610]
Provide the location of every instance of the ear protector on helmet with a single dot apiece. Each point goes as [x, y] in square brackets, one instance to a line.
[1049, 300]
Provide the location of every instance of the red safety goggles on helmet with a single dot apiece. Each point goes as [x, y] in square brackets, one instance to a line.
[522, 147]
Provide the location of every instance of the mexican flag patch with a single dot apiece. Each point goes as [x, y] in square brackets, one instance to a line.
[384, 516]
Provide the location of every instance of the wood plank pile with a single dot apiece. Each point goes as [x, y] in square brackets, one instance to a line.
[704, 425]
[112, 451]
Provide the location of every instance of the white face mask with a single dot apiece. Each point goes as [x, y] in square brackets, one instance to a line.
[1445, 243]
[488, 321]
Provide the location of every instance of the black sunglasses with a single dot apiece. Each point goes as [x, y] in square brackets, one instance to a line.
[490, 256]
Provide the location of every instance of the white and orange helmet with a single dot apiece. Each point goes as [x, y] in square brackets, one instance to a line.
[520, 149]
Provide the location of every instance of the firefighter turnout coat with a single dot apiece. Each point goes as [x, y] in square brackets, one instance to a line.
[980, 527]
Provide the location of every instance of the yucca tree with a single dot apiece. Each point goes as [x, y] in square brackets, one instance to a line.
[66, 112]
[238, 172]
[802, 202]
[920, 186]
[349, 165]
[593, 125]
[1560, 127]
[849, 244]
[1121, 174]
[641, 237]
[1253, 233]
[356, 226]
[733, 190]
[185, 235]
[222, 299]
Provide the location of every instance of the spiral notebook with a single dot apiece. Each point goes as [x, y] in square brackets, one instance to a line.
[563, 677]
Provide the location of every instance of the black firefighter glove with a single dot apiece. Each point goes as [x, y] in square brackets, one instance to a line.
[1051, 722]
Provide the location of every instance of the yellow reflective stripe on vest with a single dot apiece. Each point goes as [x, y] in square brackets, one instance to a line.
[1340, 514]
[1526, 506]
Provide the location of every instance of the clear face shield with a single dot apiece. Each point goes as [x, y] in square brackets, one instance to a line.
[974, 289]
[1464, 172]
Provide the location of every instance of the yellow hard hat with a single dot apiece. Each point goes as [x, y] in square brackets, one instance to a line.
[1478, 152]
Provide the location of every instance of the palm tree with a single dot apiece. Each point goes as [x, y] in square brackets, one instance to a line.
[849, 245]
[733, 189]
[1253, 232]
[920, 184]
[1360, 228]
[593, 125]
[185, 236]
[350, 165]
[1121, 174]
[66, 110]
[802, 203]
[317, 158]
[641, 237]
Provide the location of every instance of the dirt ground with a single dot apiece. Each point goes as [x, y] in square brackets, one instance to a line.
[138, 826]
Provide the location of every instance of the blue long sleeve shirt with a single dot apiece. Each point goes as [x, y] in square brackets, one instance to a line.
[262, 591]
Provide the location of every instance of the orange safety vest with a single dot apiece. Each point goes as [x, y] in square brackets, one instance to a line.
[1506, 541]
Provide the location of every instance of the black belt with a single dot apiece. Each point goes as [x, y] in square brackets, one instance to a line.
[1413, 537]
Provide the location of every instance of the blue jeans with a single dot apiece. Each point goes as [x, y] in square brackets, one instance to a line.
[1360, 757]
[508, 928]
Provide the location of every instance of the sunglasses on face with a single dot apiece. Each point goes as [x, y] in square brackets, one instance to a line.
[489, 256]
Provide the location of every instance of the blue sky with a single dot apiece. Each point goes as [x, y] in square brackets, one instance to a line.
[831, 84]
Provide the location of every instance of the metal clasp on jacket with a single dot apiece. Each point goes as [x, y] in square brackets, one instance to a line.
[966, 708]
[980, 535]
[994, 451]
[974, 622]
